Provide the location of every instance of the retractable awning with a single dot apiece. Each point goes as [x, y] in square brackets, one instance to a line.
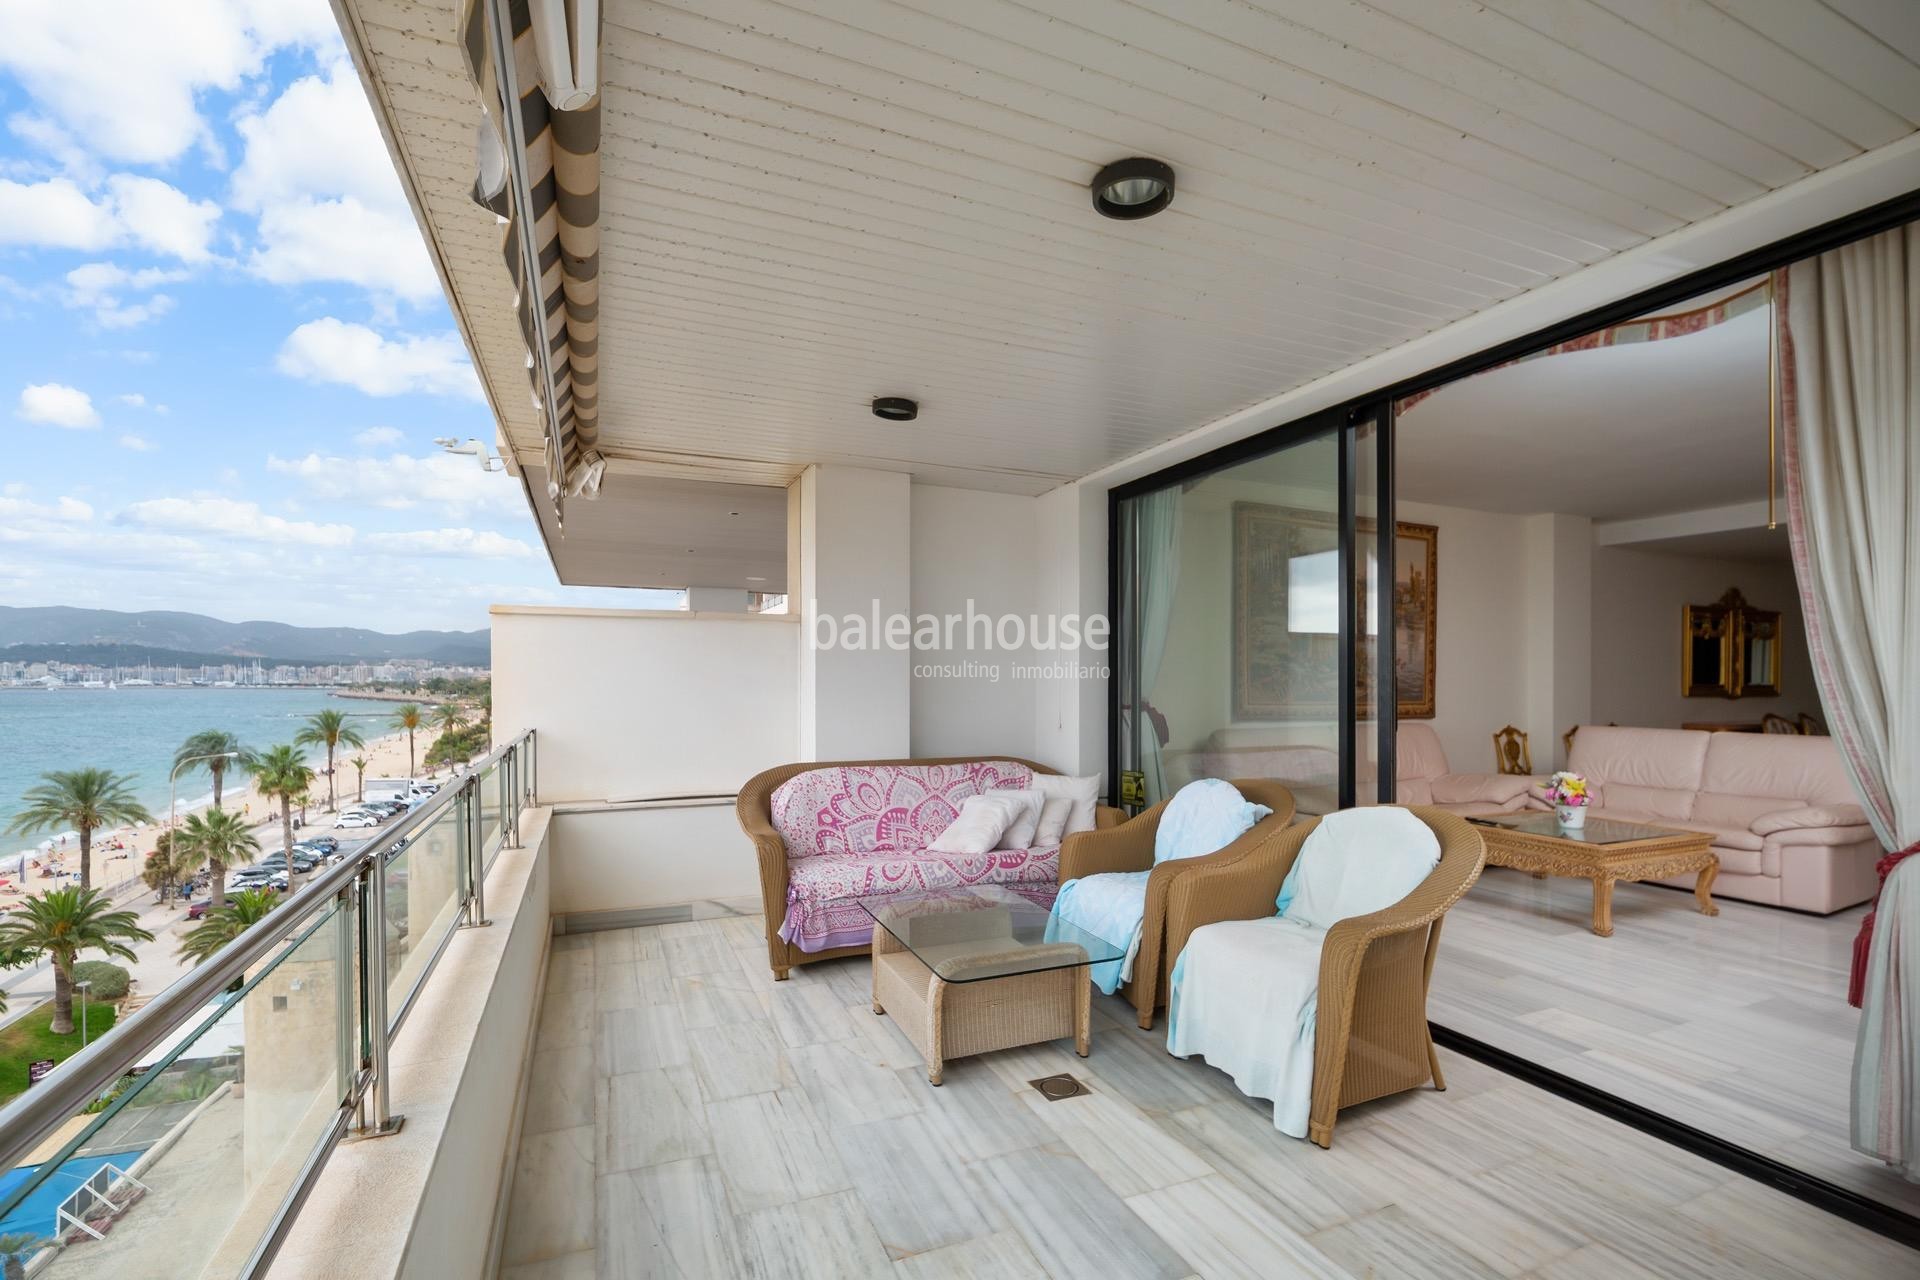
[539, 170]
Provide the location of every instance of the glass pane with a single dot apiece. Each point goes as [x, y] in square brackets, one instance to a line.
[1230, 627]
[181, 1169]
[1367, 604]
[490, 810]
[967, 935]
[423, 901]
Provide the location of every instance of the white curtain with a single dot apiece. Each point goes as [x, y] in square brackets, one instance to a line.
[1851, 395]
[1156, 551]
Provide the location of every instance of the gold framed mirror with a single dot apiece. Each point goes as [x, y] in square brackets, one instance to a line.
[1729, 649]
[1758, 637]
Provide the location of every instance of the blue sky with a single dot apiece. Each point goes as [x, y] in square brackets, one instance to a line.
[224, 355]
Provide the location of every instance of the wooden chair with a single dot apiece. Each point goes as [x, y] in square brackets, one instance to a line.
[1372, 1038]
[1811, 726]
[1771, 723]
[1511, 753]
[1129, 847]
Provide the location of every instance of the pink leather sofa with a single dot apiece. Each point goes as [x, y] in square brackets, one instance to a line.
[1421, 774]
[1780, 808]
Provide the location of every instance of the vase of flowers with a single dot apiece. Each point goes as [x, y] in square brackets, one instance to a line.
[1568, 794]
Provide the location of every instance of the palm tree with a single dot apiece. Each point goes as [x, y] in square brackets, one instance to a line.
[224, 923]
[449, 716]
[61, 923]
[280, 773]
[170, 862]
[16, 1247]
[359, 764]
[329, 729]
[222, 840]
[84, 799]
[208, 749]
[407, 716]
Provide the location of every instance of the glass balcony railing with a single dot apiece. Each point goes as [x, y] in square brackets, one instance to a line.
[182, 1142]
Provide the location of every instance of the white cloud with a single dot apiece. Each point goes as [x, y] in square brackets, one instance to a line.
[377, 437]
[58, 405]
[228, 517]
[475, 544]
[98, 287]
[123, 76]
[65, 510]
[58, 213]
[139, 444]
[133, 400]
[330, 207]
[401, 482]
[330, 350]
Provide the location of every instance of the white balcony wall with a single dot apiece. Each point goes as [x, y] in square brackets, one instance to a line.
[855, 539]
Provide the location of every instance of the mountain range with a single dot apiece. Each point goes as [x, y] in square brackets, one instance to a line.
[194, 633]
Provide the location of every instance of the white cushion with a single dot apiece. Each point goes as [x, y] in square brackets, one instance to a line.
[1356, 862]
[1026, 817]
[977, 828]
[1082, 793]
[1052, 828]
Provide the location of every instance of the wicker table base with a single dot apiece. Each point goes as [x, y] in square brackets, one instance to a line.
[1672, 853]
[947, 1020]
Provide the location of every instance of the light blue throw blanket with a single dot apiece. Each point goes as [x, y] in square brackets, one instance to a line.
[1110, 906]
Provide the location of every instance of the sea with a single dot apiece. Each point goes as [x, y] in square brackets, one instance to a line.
[136, 731]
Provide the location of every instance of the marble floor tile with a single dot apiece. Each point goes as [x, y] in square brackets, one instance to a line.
[642, 1039]
[613, 946]
[808, 1014]
[1388, 1242]
[570, 970]
[973, 1114]
[1228, 1235]
[917, 1193]
[552, 1211]
[879, 1039]
[1073, 1223]
[1118, 1142]
[1593, 1262]
[711, 999]
[572, 1266]
[701, 952]
[772, 1150]
[825, 1238]
[1000, 1256]
[669, 1222]
[738, 1058]
[562, 1090]
[1309, 1189]
[848, 1086]
[651, 1117]
[1795, 1234]
[566, 1019]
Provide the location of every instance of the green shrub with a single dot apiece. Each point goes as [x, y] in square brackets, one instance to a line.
[110, 981]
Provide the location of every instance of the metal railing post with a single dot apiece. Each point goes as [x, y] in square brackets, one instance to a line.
[375, 975]
[346, 943]
[533, 774]
[477, 849]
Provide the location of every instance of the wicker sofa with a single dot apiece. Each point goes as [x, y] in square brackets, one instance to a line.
[831, 832]
[1372, 1038]
[1129, 847]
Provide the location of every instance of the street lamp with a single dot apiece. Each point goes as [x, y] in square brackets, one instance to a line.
[83, 1011]
[174, 777]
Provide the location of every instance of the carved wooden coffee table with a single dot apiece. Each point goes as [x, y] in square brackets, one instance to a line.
[1603, 851]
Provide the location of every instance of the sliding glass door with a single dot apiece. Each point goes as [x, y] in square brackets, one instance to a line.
[1246, 602]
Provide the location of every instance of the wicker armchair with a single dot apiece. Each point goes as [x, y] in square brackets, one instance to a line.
[754, 808]
[1372, 1037]
[1128, 846]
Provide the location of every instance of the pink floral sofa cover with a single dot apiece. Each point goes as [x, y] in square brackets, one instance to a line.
[856, 831]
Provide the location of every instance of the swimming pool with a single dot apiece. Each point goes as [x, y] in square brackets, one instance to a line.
[35, 1213]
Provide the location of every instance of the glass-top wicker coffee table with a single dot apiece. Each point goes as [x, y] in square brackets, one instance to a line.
[966, 971]
[1604, 851]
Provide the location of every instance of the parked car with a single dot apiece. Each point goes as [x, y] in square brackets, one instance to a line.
[321, 845]
[195, 910]
[355, 818]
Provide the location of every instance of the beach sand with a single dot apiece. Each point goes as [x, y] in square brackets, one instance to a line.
[386, 756]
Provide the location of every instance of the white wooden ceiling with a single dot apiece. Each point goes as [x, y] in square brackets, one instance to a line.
[808, 203]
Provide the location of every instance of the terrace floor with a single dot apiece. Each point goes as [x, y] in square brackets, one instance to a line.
[689, 1117]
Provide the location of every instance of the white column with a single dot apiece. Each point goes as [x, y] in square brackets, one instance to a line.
[855, 562]
[1558, 615]
[1070, 713]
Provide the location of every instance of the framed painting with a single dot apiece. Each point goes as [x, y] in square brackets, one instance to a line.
[1286, 631]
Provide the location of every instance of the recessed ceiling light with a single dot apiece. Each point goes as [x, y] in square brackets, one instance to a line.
[896, 409]
[1133, 188]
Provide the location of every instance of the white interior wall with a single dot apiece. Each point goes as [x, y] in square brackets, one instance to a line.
[632, 704]
[1070, 703]
[1637, 599]
[973, 549]
[621, 858]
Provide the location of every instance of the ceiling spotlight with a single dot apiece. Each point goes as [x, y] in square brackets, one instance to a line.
[896, 409]
[1133, 188]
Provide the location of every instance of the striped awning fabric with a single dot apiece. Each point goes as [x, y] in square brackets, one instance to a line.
[561, 160]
